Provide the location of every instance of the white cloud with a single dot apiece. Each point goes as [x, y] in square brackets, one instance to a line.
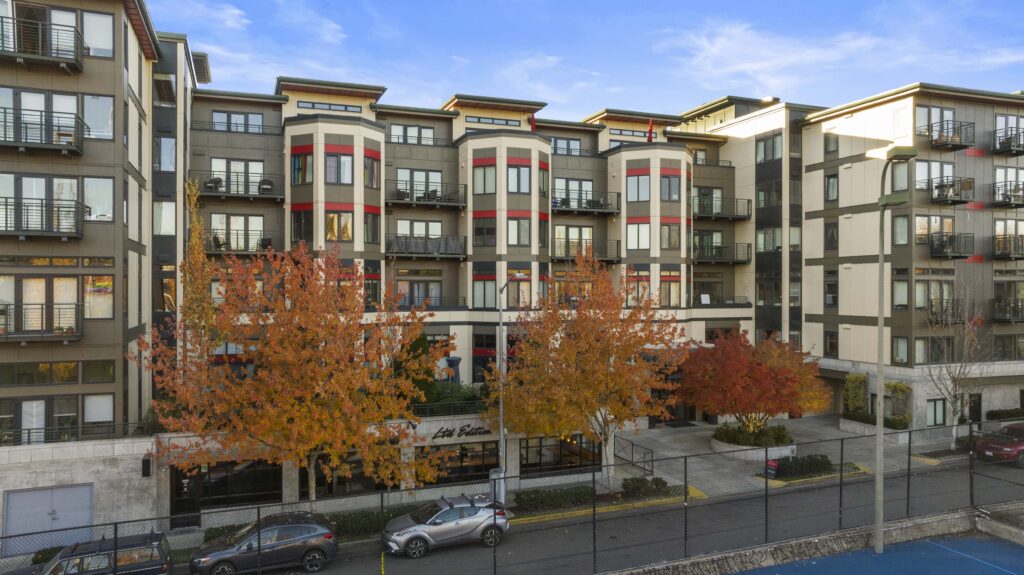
[300, 15]
[221, 14]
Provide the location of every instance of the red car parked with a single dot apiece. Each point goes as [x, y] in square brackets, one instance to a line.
[1007, 444]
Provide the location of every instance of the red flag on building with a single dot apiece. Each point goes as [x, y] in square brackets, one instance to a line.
[650, 129]
[533, 123]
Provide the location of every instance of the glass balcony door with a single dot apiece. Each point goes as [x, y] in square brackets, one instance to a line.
[32, 203]
[33, 117]
[33, 421]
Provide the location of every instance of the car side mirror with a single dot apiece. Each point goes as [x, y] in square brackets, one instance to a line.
[436, 522]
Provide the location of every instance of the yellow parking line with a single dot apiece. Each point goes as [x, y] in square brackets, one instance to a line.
[694, 494]
[925, 460]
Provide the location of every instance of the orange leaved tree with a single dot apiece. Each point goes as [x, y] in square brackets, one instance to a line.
[287, 369]
[585, 362]
[751, 383]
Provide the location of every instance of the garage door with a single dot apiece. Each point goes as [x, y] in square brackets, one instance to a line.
[47, 517]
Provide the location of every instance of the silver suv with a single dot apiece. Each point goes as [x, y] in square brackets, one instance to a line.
[447, 521]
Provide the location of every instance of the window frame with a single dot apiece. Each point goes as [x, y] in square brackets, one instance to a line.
[638, 193]
[520, 225]
[339, 173]
[636, 238]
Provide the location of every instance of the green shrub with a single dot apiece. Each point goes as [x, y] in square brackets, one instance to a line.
[803, 465]
[44, 555]
[855, 392]
[637, 487]
[553, 498]
[1004, 413]
[773, 436]
[367, 522]
[894, 422]
[215, 532]
[658, 484]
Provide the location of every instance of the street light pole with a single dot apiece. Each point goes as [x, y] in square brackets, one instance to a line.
[896, 154]
[502, 368]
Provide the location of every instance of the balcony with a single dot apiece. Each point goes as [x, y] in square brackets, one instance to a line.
[570, 151]
[722, 254]
[239, 242]
[418, 140]
[1008, 247]
[225, 185]
[33, 42]
[945, 311]
[721, 209]
[1009, 141]
[449, 408]
[950, 246]
[1008, 194]
[580, 202]
[440, 247]
[948, 190]
[713, 163]
[567, 249]
[1005, 310]
[714, 300]
[432, 195]
[40, 321]
[441, 302]
[41, 130]
[32, 217]
[949, 134]
[261, 130]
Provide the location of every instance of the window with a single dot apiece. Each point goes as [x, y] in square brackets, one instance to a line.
[519, 179]
[795, 241]
[899, 349]
[98, 413]
[935, 412]
[831, 289]
[485, 232]
[163, 219]
[404, 134]
[302, 169]
[371, 172]
[98, 115]
[670, 292]
[164, 154]
[98, 297]
[542, 233]
[768, 288]
[220, 121]
[371, 228]
[494, 121]
[638, 236]
[925, 118]
[634, 133]
[832, 187]
[831, 344]
[900, 230]
[484, 179]
[638, 188]
[543, 182]
[484, 294]
[305, 105]
[574, 193]
[337, 169]
[468, 461]
[99, 198]
[795, 292]
[98, 34]
[519, 232]
[700, 157]
[670, 236]
[565, 146]
[768, 148]
[900, 294]
[539, 455]
[769, 194]
[832, 236]
[302, 227]
[929, 174]
[768, 240]
[98, 371]
[900, 176]
[338, 226]
[670, 188]
[518, 294]
[831, 142]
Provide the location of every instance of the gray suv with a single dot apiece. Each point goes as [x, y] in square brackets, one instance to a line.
[447, 521]
[284, 540]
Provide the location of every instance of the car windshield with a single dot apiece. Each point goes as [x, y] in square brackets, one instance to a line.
[1014, 432]
[49, 564]
[242, 533]
[425, 513]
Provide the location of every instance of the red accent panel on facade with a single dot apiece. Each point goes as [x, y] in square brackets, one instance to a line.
[371, 276]
[339, 207]
[671, 219]
[305, 207]
[483, 352]
[638, 219]
[975, 259]
[542, 165]
[689, 222]
[975, 152]
[671, 172]
[303, 149]
[638, 172]
[485, 161]
[339, 149]
[520, 214]
[375, 154]
[484, 277]
[371, 209]
[975, 205]
[485, 214]
[517, 161]
[544, 216]
[665, 278]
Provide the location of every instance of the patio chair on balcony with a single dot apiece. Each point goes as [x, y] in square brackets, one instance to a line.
[266, 187]
[213, 185]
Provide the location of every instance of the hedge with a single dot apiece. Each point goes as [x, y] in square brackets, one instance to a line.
[895, 422]
[637, 487]
[553, 498]
[365, 522]
[1004, 413]
[44, 555]
[768, 437]
[804, 465]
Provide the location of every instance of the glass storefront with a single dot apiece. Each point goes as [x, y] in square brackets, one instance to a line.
[539, 455]
[468, 461]
[224, 484]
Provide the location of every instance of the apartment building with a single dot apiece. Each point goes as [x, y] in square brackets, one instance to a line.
[952, 252]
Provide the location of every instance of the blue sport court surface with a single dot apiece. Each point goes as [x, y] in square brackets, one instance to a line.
[969, 555]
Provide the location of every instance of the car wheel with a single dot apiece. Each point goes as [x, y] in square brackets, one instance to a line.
[313, 561]
[223, 568]
[491, 536]
[415, 548]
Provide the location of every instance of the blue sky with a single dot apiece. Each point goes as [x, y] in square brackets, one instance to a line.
[659, 56]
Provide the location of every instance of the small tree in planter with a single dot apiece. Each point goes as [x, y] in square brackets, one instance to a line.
[751, 383]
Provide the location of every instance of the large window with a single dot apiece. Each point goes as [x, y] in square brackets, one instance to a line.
[768, 240]
[519, 179]
[899, 349]
[98, 371]
[302, 227]
[98, 115]
[485, 232]
[900, 230]
[99, 198]
[371, 228]
[565, 146]
[670, 188]
[670, 236]
[98, 413]
[467, 461]
[371, 172]
[935, 412]
[98, 294]
[484, 294]
[831, 344]
[238, 122]
[831, 289]
[832, 187]
[164, 154]
[408, 134]
[768, 148]
[484, 179]
[831, 142]
[519, 232]
[670, 291]
[302, 169]
[338, 169]
[831, 236]
[638, 236]
[338, 226]
[518, 294]
[163, 218]
[551, 454]
[638, 188]
[98, 34]
[900, 294]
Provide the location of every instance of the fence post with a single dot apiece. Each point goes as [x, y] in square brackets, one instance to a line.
[259, 537]
[842, 473]
[382, 518]
[494, 518]
[115, 547]
[910, 443]
[765, 471]
[970, 459]
[686, 502]
[593, 515]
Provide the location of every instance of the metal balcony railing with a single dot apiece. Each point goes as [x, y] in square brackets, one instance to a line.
[722, 254]
[449, 408]
[39, 217]
[82, 432]
[42, 130]
[950, 246]
[24, 40]
[713, 163]
[720, 301]
[1008, 194]
[40, 321]
[589, 202]
[435, 195]
[1008, 141]
[721, 209]
[226, 241]
[418, 140]
[949, 134]
[408, 301]
[948, 190]
[436, 247]
[264, 129]
[568, 249]
[1008, 247]
[1007, 310]
[946, 311]
[242, 184]
[569, 151]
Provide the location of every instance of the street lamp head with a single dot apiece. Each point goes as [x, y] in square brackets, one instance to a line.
[901, 153]
[518, 276]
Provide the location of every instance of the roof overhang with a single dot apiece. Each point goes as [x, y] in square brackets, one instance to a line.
[201, 62]
[921, 88]
[694, 136]
[612, 114]
[413, 111]
[724, 102]
[489, 102]
[135, 11]
[568, 125]
[238, 96]
[324, 87]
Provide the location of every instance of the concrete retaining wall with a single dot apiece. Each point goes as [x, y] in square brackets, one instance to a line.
[858, 428]
[747, 453]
